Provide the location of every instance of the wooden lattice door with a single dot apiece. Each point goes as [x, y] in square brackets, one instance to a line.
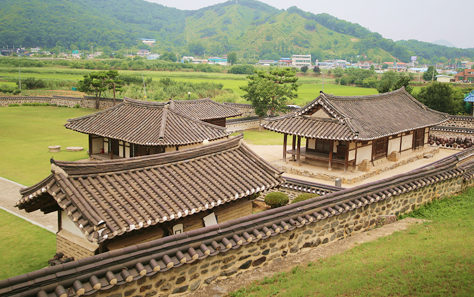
[379, 149]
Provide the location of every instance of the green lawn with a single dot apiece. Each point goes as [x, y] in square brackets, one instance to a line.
[25, 134]
[25, 247]
[431, 259]
[264, 137]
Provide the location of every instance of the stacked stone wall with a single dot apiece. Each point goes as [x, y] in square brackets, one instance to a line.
[71, 249]
[242, 126]
[275, 248]
[84, 102]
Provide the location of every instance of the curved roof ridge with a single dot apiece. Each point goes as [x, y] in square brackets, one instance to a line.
[142, 103]
[95, 113]
[72, 167]
[364, 97]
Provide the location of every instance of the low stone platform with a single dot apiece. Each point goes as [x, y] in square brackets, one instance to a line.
[54, 148]
[74, 148]
[352, 177]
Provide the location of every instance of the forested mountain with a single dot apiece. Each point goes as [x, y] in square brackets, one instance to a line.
[249, 27]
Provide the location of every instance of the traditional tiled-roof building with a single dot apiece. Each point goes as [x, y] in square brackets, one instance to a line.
[349, 130]
[206, 110]
[107, 205]
[137, 128]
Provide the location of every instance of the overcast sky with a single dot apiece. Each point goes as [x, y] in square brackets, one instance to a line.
[402, 19]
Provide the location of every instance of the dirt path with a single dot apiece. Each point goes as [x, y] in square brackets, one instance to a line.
[224, 287]
[10, 194]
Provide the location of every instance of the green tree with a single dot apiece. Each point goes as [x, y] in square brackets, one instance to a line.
[124, 66]
[304, 69]
[270, 92]
[196, 48]
[232, 58]
[392, 81]
[338, 72]
[168, 56]
[442, 97]
[317, 70]
[113, 83]
[94, 83]
[428, 75]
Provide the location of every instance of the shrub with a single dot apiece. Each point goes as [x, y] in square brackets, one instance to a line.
[276, 199]
[32, 83]
[35, 104]
[304, 197]
[242, 69]
[77, 106]
[13, 105]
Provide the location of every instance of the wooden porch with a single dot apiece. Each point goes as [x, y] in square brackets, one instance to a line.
[340, 157]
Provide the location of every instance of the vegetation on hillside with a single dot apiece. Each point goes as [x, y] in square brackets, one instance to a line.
[250, 28]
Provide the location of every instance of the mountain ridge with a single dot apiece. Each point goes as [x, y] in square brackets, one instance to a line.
[247, 27]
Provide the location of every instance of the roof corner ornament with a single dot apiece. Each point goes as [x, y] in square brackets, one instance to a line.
[58, 170]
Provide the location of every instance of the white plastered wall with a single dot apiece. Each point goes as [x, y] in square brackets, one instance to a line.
[97, 145]
[394, 145]
[364, 153]
[407, 142]
[69, 225]
[312, 144]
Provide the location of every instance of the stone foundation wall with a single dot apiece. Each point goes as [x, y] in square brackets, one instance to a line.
[372, 172]
[71, 249]
[275, 248]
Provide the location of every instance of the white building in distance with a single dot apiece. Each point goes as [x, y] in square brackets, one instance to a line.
[301, 60]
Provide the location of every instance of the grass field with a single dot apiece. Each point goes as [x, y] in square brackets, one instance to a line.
[25, 247]
[430, 259]
[264, 137]
[25, 134]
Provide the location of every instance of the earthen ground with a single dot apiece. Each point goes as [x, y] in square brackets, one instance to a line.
[224, 287]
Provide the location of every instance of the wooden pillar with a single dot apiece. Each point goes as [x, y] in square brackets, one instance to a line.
[331, 149]
[90, 145]
[298, 152]
[293, 147]
[60, 221]
[285, 140]
[111, 149]
[346, 157]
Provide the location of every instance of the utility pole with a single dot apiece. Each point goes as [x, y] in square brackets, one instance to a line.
[323, 81]
[144, 86]
[19, 77]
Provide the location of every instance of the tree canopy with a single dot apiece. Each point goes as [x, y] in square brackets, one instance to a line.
[270, 92]
[442, 97]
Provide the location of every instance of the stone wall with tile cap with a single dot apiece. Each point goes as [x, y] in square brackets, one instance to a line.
[186, 261]
[84, 102]
[277, 247]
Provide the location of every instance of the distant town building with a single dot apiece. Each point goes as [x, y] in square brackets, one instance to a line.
[285, 61]
[35, 49]
[301, 60]
[467, 75]
[147, 41]
[267, 62]
[444, 78]
[217, 60]
[153, 56]
[143, 53]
